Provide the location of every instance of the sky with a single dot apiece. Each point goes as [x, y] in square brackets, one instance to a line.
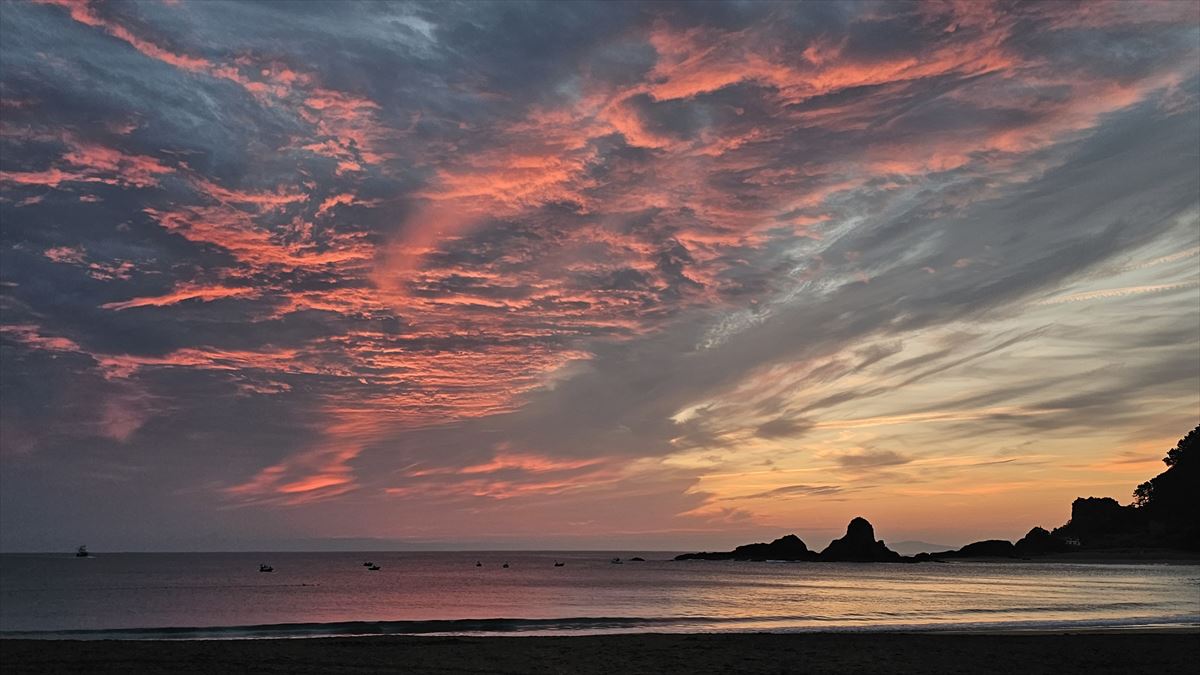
[589, 275]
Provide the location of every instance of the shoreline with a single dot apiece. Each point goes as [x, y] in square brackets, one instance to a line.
[1151, 556]
[1150, 651]
[598, 626]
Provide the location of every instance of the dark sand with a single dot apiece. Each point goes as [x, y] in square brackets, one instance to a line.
[1132, 652]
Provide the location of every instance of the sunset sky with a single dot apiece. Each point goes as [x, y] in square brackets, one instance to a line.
[571, 275]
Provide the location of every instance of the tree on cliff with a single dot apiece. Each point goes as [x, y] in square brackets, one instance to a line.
[1171, 488]
[1168, 503]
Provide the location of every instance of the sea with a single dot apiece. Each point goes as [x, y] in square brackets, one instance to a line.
[224, 595]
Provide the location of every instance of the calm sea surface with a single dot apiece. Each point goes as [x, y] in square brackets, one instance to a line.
[201, 595]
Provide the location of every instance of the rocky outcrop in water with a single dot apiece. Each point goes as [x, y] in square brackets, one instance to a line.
[989, 548]
[859, 545]
[789, 547]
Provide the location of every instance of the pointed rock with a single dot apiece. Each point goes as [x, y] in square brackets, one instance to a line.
[858, 545]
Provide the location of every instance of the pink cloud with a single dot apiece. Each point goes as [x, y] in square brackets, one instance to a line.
[182, 293]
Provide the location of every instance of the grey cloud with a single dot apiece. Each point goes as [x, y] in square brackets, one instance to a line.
[872, 458]
[797, 491]
[783, 427]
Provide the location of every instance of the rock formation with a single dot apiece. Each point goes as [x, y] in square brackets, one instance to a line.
[859, 545]
[989, 548]
[789, 547]
[1041, 542]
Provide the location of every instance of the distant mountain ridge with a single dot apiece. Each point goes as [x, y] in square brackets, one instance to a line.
[914, 547]
[1162, 516]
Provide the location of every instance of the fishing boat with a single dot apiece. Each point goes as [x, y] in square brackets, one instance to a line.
[559, 564]
[82, 552]
[265, 568]
[374, 568]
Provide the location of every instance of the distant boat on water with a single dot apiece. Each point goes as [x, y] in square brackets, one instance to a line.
[82, 552]
[559, 564]
[616, 561]
[374, 568]
[505, 565]
[478, 564]
[265, 568]
[368, 564]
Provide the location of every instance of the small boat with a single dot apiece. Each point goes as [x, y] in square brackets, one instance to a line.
[616, 561]
[478, 564]
[374, 568]
[558, 564]
[505, 565]
[368, 564]
[265, 568]
[82, 552]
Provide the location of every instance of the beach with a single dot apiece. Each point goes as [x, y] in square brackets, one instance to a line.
[1090, 652]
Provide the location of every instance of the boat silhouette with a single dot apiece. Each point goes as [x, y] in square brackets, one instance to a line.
[558, 564]
[374, 568]
[82, 552]
[265, 568]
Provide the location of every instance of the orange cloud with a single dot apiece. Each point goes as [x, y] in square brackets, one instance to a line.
[32, 336]
[66, 254]
[93, 163]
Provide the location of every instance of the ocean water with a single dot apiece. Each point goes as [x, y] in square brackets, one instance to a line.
[205, 595]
